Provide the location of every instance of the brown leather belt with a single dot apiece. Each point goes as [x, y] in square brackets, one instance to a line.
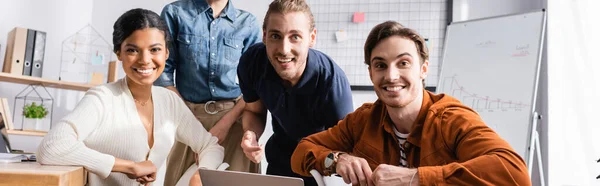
[214, 107]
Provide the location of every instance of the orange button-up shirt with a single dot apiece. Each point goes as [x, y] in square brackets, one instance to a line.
[449, 144]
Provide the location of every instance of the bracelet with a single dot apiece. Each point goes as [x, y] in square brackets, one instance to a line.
[413, 177]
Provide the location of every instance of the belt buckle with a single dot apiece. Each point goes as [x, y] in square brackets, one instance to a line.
[206, 107]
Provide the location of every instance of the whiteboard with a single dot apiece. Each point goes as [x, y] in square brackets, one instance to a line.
[492, 66]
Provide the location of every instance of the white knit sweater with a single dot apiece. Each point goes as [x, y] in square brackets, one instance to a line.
[105, 125]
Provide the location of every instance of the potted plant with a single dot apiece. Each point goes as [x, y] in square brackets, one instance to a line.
[34, 114]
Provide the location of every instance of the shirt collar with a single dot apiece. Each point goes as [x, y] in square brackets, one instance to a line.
[417, 127]
[229, 11]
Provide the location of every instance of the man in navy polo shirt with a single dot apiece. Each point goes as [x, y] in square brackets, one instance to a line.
[305, 91]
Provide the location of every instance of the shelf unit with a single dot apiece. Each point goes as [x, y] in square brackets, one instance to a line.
[28, 80]
[26, 132]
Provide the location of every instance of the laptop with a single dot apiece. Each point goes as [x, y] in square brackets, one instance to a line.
[233, 178]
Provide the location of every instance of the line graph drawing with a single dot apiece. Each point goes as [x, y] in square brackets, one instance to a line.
[480, 103]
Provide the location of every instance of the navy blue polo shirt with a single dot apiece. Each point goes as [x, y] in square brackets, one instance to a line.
[318, 101]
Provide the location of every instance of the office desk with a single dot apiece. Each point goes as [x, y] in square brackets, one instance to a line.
[34, 174]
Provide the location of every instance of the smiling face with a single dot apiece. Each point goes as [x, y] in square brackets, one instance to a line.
[143, 54]
[287, 38]
[396, 71]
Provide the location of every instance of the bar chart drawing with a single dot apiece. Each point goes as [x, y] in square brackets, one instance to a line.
[480, 103]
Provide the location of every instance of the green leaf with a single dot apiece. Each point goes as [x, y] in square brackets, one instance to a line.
[34, 111]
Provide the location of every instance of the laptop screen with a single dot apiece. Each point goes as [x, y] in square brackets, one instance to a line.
[228, 178]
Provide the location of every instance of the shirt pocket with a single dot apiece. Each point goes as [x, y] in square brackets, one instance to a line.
[233, 49]
[190, 46]
[373, 155]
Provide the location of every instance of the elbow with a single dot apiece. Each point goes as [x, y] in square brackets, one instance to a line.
[44, 153]
[515, 167]
[52, 152]
[520, 173]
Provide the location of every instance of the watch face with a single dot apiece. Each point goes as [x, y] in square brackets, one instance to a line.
[329, 160]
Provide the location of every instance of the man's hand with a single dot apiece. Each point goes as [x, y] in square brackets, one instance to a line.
[354, 170]
[251, 148]
[221, 128]
[394, 175]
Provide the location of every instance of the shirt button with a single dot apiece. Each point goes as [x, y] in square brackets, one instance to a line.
[214, 22]
[213, 90]
[236, 46]
[212, 54]
[213, 38]
[212, 73]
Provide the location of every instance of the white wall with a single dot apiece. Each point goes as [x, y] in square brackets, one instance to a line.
[463, 10]
[106, 12]
[257, 7]
[59, 19]
[574, 86]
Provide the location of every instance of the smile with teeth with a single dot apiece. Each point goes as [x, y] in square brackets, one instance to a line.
[284, 60]
[144, 71]
[393, 88]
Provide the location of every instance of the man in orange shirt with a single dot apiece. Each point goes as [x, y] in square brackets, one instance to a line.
[409, 136]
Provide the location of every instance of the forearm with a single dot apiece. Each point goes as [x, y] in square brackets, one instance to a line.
[308, 156]
[254, 122]
[123, 166]
[230, 117]
[193, 134]
[60, 147]
[493, 169]
[312, 150]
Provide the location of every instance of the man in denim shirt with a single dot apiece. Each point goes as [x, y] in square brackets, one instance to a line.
[209, 38]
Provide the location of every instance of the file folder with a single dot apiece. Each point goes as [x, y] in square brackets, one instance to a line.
[15, 51]
[38, 53]
[29, 52]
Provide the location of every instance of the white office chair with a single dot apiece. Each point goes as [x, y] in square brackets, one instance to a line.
[327, 180]
[185, 178]
[318, 177]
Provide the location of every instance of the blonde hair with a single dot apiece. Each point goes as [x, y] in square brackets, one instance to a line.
[286, 6]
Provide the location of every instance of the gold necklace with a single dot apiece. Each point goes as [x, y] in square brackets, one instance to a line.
[143, 104]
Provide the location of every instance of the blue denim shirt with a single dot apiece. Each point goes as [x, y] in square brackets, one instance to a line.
[205, 51]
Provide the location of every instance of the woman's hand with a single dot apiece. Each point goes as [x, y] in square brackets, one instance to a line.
[195, 180]
[143, 172]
